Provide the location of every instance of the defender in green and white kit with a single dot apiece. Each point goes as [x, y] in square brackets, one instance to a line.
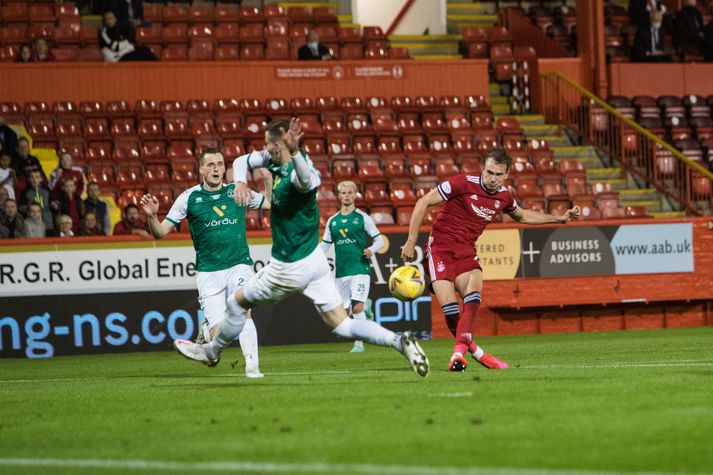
[217, 227]
[297, 265]
[350, 230]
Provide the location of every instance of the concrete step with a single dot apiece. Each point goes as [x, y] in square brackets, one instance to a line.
[553, 140]
[345, 20]
[578, 151]
[651, 205]
[525, 120]
[640, 194]
[462, 8]
[669, 214]
[493, 89]
[543, 131]
[602, 174]
[500, 109]
[419, 45]
[589, 163]
[499, 100]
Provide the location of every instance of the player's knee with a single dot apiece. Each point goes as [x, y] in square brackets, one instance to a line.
[357, 307]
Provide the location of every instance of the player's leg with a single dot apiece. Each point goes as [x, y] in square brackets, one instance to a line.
[470, 285]
[359, 290]
[239, 276]
[211, 296]
[321, 289]
[344, 285]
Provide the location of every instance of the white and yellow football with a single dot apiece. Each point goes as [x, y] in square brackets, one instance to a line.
[406, 283]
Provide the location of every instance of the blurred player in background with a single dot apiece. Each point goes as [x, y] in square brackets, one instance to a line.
[217, 226]
[349, 230]
[297, 265]
[471, 203]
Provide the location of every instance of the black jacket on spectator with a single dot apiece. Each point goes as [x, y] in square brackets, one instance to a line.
[8, 137]
[708, 41]
[638, 14]
[306, 53]
[41, 196]
[11, 228]
[121, 8]
[643, 44]
[688, 26]
[23, 167]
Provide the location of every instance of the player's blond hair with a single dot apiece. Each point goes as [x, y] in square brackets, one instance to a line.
[346, 184]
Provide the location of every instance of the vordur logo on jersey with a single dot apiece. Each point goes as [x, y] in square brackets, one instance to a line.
[220, 222]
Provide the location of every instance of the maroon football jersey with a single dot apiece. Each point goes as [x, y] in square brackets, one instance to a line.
[468, 209]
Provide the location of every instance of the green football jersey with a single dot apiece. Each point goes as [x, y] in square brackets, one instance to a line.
[294, 215]
[217, 226]
[350, 234]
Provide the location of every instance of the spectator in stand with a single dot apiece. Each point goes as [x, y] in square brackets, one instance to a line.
[8, 137]
[24, 55]
[64, 227]
[126, 10]
[70, 203]
[312, 50]
[708, 41]
[131, 224]
[3, 199]
[24, 163]
[12, 225]
[34, 225]
[688, 29]
[649, 41]
[7, 174]
[639, 11]
[42, 52]
[36, 192]
[97, 206]
[90, 226]
[66, 171]
[116, 41]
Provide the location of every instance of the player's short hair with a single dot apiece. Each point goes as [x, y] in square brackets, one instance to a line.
[276, 127]
[207, 151]
[346, 184]
[500, 156]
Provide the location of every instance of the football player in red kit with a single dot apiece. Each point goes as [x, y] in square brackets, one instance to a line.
[471, 203]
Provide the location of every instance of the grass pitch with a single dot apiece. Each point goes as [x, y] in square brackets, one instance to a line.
[636, 401]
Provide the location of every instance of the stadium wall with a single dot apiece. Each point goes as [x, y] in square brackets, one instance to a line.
[677, 79]
[603, 302]
[263, 79]
[106, 295]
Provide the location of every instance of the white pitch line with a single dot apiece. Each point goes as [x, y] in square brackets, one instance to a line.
[272, 467]
[618, 365]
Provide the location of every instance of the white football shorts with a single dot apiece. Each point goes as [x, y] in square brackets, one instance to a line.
[215, 287]
[353, 288]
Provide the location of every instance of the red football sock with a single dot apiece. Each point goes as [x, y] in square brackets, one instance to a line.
[466, 322]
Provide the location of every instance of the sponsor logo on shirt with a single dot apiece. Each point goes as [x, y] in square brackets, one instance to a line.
[220, 222]
[483, 212]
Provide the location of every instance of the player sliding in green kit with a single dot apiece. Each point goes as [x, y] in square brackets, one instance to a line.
[297, 264]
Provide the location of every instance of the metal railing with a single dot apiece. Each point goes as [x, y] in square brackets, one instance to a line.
[638, 151]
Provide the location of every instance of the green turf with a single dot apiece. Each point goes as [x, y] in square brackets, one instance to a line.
[622, 401]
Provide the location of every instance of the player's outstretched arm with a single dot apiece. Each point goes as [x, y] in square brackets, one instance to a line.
[149, 204]
[253, 160]
[431, 198]
[526, 216]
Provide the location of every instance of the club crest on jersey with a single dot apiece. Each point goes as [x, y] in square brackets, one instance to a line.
[497, 204]
[199, 199]
[355, 221]
[485, 213]
[441, 266]
[230, 193]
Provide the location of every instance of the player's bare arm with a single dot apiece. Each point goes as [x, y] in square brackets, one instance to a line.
[431, 198]
[526, 216]
[150, 205]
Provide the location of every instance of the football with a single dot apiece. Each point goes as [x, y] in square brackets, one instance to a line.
[406, 283]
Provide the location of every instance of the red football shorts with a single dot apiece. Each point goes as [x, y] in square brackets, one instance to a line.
[448, 261]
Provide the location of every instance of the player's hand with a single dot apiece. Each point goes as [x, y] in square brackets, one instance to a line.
[368, 253]
[243, 195]
[292, 136]
[407, 252]
[572, 213]
[149, 203]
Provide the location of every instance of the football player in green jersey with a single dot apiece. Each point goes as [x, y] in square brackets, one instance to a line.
[217, 227]
[297, 264]
[350, 230]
